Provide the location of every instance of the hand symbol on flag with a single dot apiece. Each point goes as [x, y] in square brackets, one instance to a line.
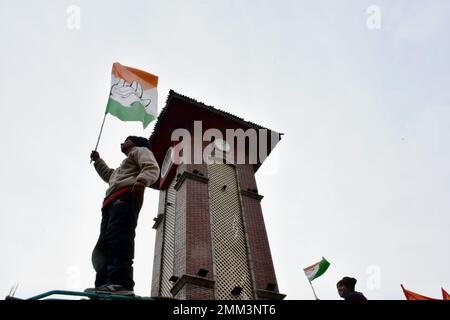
[126, 94]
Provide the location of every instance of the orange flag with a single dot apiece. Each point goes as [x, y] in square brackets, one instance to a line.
[445, 294]
[414, 296]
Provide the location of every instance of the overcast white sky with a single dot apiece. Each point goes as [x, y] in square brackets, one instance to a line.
[361, 177]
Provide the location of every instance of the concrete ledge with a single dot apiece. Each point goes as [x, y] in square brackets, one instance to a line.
[252, 194]
[269, 295]
[198, 281]
[158, 220]
[189, 175]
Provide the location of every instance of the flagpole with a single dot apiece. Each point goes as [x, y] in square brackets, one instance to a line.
[310, 283]
[101, 130]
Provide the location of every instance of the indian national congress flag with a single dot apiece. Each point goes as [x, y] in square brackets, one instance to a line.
[133, 95]
[317, 269]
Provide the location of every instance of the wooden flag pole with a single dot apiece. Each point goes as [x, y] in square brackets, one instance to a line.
[99, 135]
[310, 283]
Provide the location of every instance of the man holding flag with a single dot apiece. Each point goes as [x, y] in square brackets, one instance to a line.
[133, 97]
[113, 254]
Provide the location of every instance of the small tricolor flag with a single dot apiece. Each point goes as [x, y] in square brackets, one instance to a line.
[317, 269]
[133, 95]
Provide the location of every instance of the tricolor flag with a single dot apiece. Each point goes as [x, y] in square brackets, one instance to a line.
[317, 269]
[414, 296]
[445, 294]
[133, 95]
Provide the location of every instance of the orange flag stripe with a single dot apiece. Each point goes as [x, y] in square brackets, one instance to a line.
[129, 74]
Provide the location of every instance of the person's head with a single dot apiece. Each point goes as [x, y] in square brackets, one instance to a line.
[134, 141]
[346, 286]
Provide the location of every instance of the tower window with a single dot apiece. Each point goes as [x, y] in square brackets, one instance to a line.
[236, 291]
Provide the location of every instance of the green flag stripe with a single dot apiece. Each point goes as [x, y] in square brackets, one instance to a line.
[323, 266]
[135, 112]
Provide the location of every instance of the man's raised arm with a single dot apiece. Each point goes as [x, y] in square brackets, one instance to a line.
[101, 167]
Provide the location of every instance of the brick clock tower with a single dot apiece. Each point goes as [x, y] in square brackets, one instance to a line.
[211, 241]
